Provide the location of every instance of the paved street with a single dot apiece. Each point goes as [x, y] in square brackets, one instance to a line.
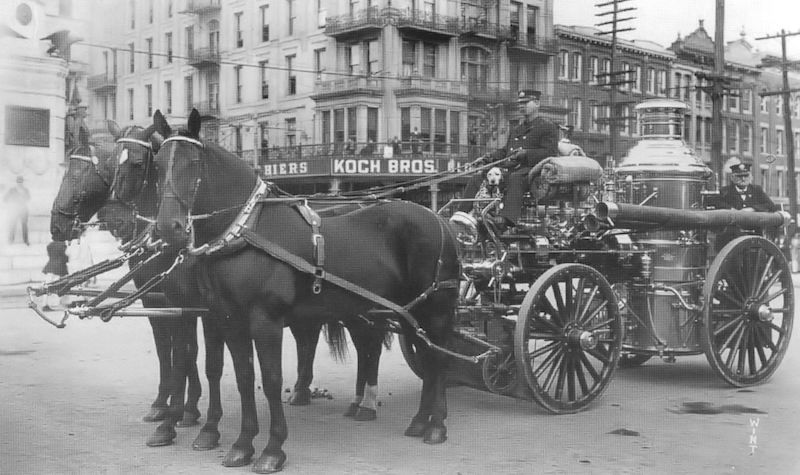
[73, 401]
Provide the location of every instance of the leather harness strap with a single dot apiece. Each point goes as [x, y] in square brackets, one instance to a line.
[318, 240]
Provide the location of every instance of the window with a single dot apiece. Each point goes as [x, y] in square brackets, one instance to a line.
[563, 64]
[292, 78]
[169, 8]
[429, 60]
[651, 81]
[148, 92]
[319, 64]
[264, 23]
[626, 112]
[168, 96]
[322, 14]
[409, 58]
[405, 126]
[595, 116]
[779, 137]
[189, 41]
[291, 132]
[575, 67]
[779, 179]
[764, 138]
[132, 63]
[576, 113]
[425, 128]
[130, 104]
[733, 137]
[747, 138]
[239, 34]
[625, 77]
[676, 85]
[237, 75]
[764, 104]
[594, 69]
[27, 126]
[455, 130]
[188, 86]
[132, 11]
[439, 130]
[326, 127]
[637, 78]
[352, 122]
[605, 70]
[168, 44]
[604, 124]
[213, 94]
[338, 126]
[352, 57]
[747, 100]
[150, 14]
[765, 180]
[474, 68]
[372, 124]
[149, 42]
[778, 106]
[687, 87]
[292, 13]
[373, 51]
[733, 101]
[262, 67]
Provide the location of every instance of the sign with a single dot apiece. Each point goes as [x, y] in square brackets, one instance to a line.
[355, 167]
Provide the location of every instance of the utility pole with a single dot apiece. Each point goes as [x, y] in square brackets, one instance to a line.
[787, 123]
[613, 74]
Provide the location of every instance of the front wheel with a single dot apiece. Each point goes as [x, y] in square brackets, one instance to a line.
[568, 337]
[748, 310]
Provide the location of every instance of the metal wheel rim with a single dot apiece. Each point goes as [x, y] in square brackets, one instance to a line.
[563, 375]
[742, 342]
[410, 355]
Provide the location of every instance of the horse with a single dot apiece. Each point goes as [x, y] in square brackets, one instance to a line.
[133, 185]
[85, 191]
[260, 274]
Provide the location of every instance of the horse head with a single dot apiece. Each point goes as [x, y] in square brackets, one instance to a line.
[197, 179]
[84, 188]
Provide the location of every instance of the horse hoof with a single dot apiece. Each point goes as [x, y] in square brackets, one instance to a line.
[352, 410]
[190, 419]
[365, 414]
[206, 440]
[300, 397]
[435, 435]
[156, 414]
[161, 437]
[416, 428]
[237, 457]
[270, 463]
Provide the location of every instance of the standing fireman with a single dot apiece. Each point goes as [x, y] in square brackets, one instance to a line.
[535, 139]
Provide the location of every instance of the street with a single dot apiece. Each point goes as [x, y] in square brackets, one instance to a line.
[73, 399]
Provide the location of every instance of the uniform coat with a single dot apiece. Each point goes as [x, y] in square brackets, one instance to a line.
[754, 197]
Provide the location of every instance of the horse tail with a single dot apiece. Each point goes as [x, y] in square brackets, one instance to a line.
[337, 340]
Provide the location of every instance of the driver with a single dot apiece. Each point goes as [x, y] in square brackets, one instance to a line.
[535, 139]
[741, 194]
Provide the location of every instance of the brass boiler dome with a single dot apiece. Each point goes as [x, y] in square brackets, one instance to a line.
[661, 170]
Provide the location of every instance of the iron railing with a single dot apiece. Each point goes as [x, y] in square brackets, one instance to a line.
[101, 81]
[371, 17]
[207, 55]
[406, 149]
[202, 6]
[349, 85]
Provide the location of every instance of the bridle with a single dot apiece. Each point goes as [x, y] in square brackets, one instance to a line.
[95, 162]
[148, 161]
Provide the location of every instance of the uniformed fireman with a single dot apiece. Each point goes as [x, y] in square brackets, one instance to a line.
[533, 140]
[742, 194]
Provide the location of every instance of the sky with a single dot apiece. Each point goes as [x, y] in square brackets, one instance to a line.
[661, 21]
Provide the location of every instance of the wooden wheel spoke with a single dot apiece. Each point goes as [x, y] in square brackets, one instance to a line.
[549, 360]
[733, 347]
[725, 311]
[562, 377]
[773, 279]
[589, 368]
[594, 313]
[603, 358]
[730, 298]
[547, 307]
[570, 300]
[590, 298]
[752, 271]
[732, 282]
[548, 381]
[773, 296]
[579, 372]
[763, 277]
[562, 311]
[717, 331]
[540, 351]
[751, 351]
[742, 346]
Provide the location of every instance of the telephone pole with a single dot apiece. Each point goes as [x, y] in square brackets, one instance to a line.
[787, 123]
[613, 74]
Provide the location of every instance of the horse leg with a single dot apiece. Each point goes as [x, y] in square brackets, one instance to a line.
[241, 348]
[368, 341]
[158, 409]
[268, 337]
[194, 390]
[208, 438]
[306, 336]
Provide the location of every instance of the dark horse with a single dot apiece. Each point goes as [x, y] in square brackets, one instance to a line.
[396, 253]
[85, 191]
[134, 186]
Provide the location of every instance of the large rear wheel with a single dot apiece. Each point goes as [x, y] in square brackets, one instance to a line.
[748, 310]
[568, 337]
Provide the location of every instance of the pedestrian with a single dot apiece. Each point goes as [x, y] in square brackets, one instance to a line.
[396, 148]
[369, 148]
[535, 139]
[415, 138]
[350, 147]
[264, 151]
[55, 268]
[16, 202]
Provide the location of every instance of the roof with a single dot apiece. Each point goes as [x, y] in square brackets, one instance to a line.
[592, 35]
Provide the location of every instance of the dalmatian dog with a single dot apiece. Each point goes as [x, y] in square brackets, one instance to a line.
[491, 187]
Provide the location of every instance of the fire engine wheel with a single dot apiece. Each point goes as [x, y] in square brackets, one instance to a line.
[500, 373]
[748, 310]
[410, 355]
[568, 337]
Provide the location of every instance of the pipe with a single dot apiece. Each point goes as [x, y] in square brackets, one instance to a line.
[622, 215]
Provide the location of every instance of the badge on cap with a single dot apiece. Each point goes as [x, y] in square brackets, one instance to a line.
[740, 168]
[528, 94]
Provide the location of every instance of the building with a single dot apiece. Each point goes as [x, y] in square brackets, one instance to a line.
[582, 83]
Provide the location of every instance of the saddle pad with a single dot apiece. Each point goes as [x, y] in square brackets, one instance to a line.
[570, 169]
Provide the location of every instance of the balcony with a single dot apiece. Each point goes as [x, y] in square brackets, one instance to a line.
[204, 58]
[364, 21]
[533, 44]
[482, 28]
[419, 86]
[350, 86]
[199, 7]
[431, 25]
[207, 109]
[101, 83]
[440, 149]
[491, 94]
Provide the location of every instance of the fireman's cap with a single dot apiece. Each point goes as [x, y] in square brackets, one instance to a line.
[526, 95]
[740, 169]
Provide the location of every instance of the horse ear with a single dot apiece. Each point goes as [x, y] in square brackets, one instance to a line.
[194, 123]
[114, 129]
[83, 136]
[162, 127]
